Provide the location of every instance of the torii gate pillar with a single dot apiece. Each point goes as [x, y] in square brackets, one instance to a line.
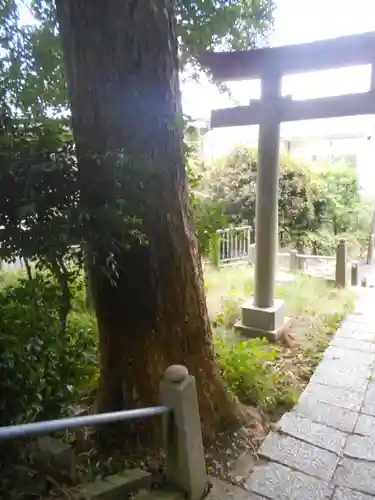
[263, 315]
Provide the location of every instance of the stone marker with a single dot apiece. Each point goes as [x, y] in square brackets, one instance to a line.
[354, 278]
[54, 457]
[115, 486]
[293, 260]
[186, 468]
[341, 276]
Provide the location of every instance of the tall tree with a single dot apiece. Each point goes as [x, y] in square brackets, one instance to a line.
[31, 69]
[122, 72]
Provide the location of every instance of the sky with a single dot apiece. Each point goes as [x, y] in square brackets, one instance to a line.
[298, 21]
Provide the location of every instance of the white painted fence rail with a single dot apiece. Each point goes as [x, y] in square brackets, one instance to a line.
[235, 244]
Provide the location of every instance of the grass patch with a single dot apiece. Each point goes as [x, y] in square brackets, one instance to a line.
[249, 369]
[270, 376]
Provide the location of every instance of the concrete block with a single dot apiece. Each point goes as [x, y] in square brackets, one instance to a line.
[269, 318]
[261, 322]
[115, 486]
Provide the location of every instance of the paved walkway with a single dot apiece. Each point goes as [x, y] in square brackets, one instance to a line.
[325, 447]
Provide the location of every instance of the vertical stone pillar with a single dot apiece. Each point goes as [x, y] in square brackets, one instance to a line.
[354, 274]
[262, 315]
[341, 277]
[186, 468]
[266, 211]
[293, 260]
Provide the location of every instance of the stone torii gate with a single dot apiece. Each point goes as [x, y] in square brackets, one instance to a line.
[263, 315]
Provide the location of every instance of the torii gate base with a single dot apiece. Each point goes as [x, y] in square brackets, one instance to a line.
[261, 321]
[263, 315]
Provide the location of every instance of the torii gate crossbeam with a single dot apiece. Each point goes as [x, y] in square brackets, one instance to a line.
[263, 315]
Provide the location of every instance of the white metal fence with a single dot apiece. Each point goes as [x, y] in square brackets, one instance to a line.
[235, 245]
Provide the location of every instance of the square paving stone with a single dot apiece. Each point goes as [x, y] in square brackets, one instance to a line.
[299, 455]
[365, 425]
[357, 334]
[314, 433]
[220, 490]
[369, 402]
[351, 356]
[362, 447]
[356, 474]
[346, 494]
[334, 416]
[342, 373]
[344, 398]
[353, 344]
[363, 319]
[278, 482]
[348, 326]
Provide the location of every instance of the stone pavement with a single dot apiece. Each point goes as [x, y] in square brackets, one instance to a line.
[325, 447]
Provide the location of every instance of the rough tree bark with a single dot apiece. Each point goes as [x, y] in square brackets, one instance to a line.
[122, 70]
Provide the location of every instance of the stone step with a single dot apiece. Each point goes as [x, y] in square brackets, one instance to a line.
[117, 486]
[164, 494]
[219, 490]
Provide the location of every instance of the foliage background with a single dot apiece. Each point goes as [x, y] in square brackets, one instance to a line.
[317, 204]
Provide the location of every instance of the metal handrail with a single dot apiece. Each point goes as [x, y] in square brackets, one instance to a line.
[22, 430]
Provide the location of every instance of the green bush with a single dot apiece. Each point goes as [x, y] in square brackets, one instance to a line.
[317, 205]
[40, 372]
[208, 214]
[249, 373]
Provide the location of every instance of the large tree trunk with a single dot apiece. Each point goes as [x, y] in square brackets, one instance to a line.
[122, 69]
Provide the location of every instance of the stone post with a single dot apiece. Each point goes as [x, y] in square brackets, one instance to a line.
[262, 315]
[354, 274]
[185, 462]
[293, 260]
[266, 210]
[341, 277]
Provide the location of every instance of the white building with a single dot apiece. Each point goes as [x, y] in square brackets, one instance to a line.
[349, 139]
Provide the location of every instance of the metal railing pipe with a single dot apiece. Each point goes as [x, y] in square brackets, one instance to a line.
[22, 430]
